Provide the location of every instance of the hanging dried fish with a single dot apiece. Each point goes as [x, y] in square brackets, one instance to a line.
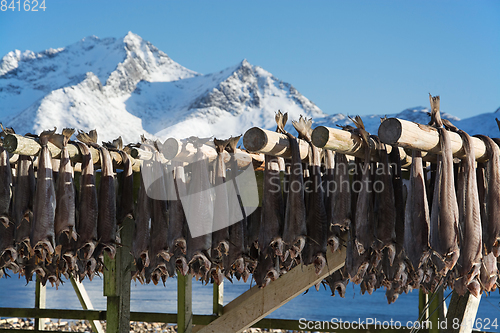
[125, 205]
[199, 213]
[338, 281]
[87, 214]
[491, 224]
[444, 213]
[237, 215]
[106, 217]
[265, 272]
[8, 253]
[469, 262]
[5, 187]
[42, 229]
[417, 220]
[489, 272]
[364, 219]
[338, 201]
[384, 206]
[316, 222]
[65, 205]
[24, 193]
[158, 246]
[220, 235]
[272, 213]
[177, 232]
[140, 242]
[294, 232]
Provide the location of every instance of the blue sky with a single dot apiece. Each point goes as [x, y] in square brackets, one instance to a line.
[354, 57]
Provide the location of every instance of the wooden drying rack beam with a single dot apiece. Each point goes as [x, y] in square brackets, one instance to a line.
[259, 140]
[407, 134]
[18, 144]
[393, 132]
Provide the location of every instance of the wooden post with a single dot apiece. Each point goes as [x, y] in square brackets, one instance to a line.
[257, 303]
[218, 299]
[423, 309]
[462, 312]
[111, 290]
[126, 262]
[117, 282]
[40, 297]
[411, 135]
[85, 302]
[436, 314]
[184, 303]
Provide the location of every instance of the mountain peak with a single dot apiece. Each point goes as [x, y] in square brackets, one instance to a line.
[132, 39]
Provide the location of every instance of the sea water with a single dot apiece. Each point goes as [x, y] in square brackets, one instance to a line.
[310, 306]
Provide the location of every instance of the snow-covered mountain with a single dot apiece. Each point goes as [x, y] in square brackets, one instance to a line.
[128, 87]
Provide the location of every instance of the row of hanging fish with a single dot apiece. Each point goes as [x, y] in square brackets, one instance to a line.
[49, 226]
[439, 230]
[435, 230]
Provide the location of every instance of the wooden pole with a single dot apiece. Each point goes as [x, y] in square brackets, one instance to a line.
[18, 144]
[462, 312]
[257, 303]
[85, 302]
[111, 291]
[436, 314]
[126, 262]
[183, 151]
[184, 303]
[423, 310]
[411, 135]
[258, 140]
[345, 142]
[218, 298]
[40, 300]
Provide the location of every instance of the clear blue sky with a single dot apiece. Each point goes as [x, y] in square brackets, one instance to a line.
[355, 57]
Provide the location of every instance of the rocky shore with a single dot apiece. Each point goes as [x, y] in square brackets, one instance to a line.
[84, 326]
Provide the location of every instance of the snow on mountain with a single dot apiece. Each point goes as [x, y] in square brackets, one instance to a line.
[233, 100]
[83, 85]
[128, 87]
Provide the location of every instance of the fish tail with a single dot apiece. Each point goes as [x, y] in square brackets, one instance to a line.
[303, 127]
[435, 115]
[89, 138]
[220, 145]
[6, 130]
[45, 136]
[67, 133]
[232, 142]
[281, 120]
